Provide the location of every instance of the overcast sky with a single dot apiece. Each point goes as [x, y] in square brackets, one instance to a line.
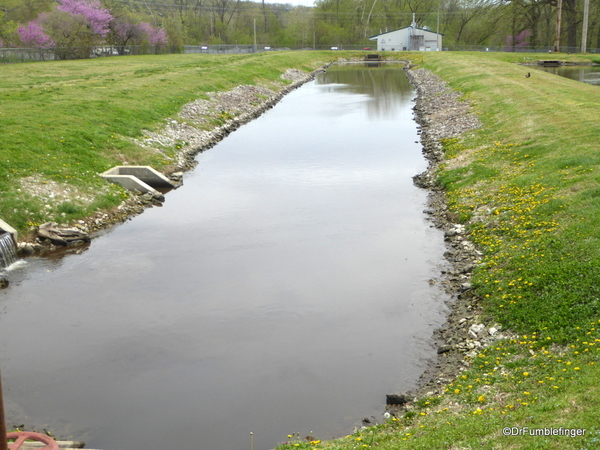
[295, 2]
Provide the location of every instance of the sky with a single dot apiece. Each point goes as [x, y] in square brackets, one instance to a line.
[294, 2]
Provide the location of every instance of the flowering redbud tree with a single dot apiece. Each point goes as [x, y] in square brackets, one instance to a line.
[73, 27]
[125, 33]
[33, 35]
[154, 36]
[518, 42]
[98, 17]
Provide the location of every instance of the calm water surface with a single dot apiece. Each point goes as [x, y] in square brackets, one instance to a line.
[283, 289]
[585, 74]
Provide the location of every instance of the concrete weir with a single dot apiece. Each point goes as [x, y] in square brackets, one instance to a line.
[138, 178]
[8, 247]
[6, 228]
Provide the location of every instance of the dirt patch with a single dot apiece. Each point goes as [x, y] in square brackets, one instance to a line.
[49, 191]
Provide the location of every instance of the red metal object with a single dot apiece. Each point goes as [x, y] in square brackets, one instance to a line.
[22, 436]
[3, 445]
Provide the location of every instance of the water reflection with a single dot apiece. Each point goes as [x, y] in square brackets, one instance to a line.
[385, 85]
[585, 74]
[283, 289]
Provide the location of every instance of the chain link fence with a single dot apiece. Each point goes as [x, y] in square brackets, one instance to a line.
[21, 55]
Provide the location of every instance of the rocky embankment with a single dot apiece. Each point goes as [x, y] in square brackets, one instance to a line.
[234, 108]
[441, 115]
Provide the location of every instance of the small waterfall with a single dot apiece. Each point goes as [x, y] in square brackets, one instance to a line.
[8, 251]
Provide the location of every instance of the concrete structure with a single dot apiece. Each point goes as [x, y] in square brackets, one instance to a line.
[138, 178]
[409, 38]
[4, 227]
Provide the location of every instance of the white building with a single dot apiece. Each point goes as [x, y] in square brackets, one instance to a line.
[409, 38]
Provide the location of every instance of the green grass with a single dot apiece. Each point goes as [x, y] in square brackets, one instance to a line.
[527, 186]
[67, 121]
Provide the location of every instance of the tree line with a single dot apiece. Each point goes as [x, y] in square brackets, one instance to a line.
[501, 24]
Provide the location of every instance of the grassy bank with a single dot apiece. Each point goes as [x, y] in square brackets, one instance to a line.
[527, 185]
[63, 122]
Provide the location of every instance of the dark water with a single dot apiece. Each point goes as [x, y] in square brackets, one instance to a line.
[585, 74]
[283, 289]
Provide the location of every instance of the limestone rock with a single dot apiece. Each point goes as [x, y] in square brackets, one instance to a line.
[62, 236]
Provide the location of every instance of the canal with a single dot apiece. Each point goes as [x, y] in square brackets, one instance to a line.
[585, 74]
[283, 289]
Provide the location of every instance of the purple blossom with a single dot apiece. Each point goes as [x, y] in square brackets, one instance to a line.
[519, 41]
[158, 36]
[98, 17]
[155, 36]
[125, 31]
[33, 35]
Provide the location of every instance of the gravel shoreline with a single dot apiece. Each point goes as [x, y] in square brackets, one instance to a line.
[441, 115]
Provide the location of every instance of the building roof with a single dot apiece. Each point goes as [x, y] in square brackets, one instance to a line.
[372, 38]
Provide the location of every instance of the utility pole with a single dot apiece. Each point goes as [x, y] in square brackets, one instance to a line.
[153, 19]
[558, 20]
[584, 31]
[437, 31]
[254, 35]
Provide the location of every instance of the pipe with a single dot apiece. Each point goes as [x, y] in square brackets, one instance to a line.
[3, 443]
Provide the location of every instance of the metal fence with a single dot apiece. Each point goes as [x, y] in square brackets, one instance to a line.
[542, 49]
[21, 55]
[263, 48]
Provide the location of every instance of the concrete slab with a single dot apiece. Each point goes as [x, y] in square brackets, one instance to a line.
[144, 174]
[130, 182]
[6, 227]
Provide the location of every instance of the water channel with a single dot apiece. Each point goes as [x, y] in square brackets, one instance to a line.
[585, 74]
[284, 288]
